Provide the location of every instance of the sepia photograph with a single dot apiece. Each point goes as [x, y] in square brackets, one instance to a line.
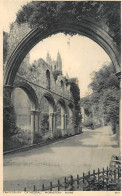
[61, 96]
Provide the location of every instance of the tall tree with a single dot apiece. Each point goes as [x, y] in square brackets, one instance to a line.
[106, 94]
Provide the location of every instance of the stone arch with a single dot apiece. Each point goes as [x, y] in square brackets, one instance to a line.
[61, 116]
[71, 106]
[50, 98]
[62, 84]
[63, 104]
[47, 114]
[86, 28]
[30, 92]
[27, 117]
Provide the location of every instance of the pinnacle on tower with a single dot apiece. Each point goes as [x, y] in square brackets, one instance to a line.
[59, 62]
[48, 58]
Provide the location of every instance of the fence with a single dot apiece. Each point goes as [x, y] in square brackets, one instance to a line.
[101, 180]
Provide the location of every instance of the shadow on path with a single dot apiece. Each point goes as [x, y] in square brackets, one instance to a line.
[88, 139]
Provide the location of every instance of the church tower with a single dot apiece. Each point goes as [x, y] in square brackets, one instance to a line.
[59, 62]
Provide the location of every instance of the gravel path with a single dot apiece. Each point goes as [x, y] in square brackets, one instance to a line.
[90, 150]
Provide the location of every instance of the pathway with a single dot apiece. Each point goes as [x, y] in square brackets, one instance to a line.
[90, 150]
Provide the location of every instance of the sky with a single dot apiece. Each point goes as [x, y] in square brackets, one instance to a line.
[80, 55]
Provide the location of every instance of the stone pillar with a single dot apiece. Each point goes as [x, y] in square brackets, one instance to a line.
[51, 124]
[65, 121]
[7, 91]
[62, 123]
[54, 121]
[118, 74]
[34, 123]
[65, 124]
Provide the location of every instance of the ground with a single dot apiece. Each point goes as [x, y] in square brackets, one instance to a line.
[81, 153]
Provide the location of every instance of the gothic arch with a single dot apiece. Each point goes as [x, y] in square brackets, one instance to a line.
[50, 99]
[29, 91]
[63, 104]
[70, 105]
[86, 28]
[62, 84]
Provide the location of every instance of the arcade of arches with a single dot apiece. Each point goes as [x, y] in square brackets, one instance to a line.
[43, 108]
[60, 110]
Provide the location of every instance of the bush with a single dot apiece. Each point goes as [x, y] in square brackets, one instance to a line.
[37, 138]
[57, 134]
[9, 117]
[44, 123]
[21, 139]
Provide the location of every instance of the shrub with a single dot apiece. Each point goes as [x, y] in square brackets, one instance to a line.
[21, 139]
[9, 117]
[37, 138]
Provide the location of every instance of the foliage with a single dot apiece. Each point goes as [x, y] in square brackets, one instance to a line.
[9, 118]
[45, 123]
[103, 79]
[105, 97]
[56, 73]
[20, 139]
[76, 111]
[45, 14]
[37, 138]
[5, 46]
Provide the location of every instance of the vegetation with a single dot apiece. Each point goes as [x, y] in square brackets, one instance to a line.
[13, 137]
[19, 140]
[9, 118]
[5, 46]
[45, 14]
[105, 97]
[56, 73]
[44, 122]
[77, 110]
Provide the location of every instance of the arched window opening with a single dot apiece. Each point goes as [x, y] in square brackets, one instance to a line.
[62, 85]
[47, 121]
[48, 79]
[22, 107]
[61, 118]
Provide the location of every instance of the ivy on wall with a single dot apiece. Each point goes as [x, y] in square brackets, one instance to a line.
[77, 110]
[9, 117]
[56, 73]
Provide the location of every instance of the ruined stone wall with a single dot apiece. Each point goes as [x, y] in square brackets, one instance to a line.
[16, 34]
[37, 74]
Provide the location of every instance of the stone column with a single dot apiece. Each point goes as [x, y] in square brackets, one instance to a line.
[51, 124]
[34, 123]
[62, 123]
[65, 121]
[7, 91]
[118, 74]
[54, 122]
